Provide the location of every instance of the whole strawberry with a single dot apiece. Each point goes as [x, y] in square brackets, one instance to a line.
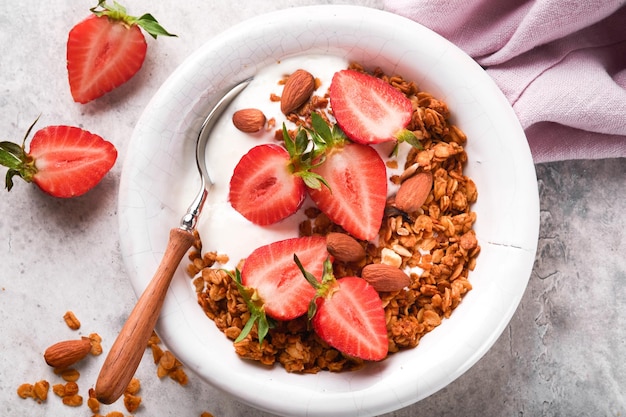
[63, 161]
[107, 49]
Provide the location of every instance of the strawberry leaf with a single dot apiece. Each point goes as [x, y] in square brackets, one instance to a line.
[263, 328]
[12, 155]
[307, 275]
[328, 275]
[321, 128]
[117, 12]
[304, 155]
[255, 307]
[148, 23]
[302, 142]
[290, 144]
[313, 180]
[19, 163]
[246, 329]
[323, 135]
[295, 147]
[312, 309]
[9, 178]
[409, 137]
[323, 289]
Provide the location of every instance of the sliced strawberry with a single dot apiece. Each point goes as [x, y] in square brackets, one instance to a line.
[271, 272]
[348, 315]
[356, 194]
[368, 109]
[263, 187]
[63, 161]
[106, 49]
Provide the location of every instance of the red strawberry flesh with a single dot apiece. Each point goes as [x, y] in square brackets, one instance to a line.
[102, 54]
[357, 196]
[69, 160]
[368, 109]
[352, 320]
[262, 188]
[270, 270]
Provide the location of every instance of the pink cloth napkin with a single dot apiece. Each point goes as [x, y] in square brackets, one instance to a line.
[561, 64]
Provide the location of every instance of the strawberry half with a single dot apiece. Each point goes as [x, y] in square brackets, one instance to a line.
[107, 49]
[348, 314]
[354, 194]
[63, 161]
[270, 271]
[271, 285]
[368, 109]
[263, 187]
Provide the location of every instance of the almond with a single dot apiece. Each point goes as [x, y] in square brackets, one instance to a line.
[414, 191]
[66, 353]
[249, 120]
[298, 89]
[385, 278]
[344, 247]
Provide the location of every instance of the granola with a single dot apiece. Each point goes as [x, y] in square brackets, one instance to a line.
[434, 242]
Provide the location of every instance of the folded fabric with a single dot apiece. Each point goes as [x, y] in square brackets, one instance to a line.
[560, 63]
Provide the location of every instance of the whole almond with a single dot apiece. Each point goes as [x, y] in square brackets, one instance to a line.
[249, 120]
[344, 247]
[385, 278]
[298, 89]
[66, 353]
[414, 191]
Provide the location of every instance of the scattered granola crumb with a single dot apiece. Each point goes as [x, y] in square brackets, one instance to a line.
[71, 320]
[70, 388]
[96, 346]
[25, 390]
[179, 376]
[167, 364]
[59, 390]
[68, 393]
[73, 400]
[37, 391]
[133, 387]
[132, 401]
[69, 375]
[93, 404]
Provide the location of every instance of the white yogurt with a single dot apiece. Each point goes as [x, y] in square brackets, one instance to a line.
[223, 229]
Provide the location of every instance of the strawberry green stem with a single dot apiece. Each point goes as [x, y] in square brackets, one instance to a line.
[117, 12]
[20, 163]
[256, 309]
[304, 156]
[324, 289]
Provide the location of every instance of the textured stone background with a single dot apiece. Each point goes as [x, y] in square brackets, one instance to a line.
[562, 354]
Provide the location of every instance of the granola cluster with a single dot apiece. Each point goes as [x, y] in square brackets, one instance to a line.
[436, 243]
[68, 391]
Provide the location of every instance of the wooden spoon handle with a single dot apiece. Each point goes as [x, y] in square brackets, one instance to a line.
[128, 349]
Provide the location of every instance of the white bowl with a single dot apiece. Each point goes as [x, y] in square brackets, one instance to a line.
[159, 180]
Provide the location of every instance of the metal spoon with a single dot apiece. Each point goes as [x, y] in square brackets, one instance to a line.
[125, 354]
